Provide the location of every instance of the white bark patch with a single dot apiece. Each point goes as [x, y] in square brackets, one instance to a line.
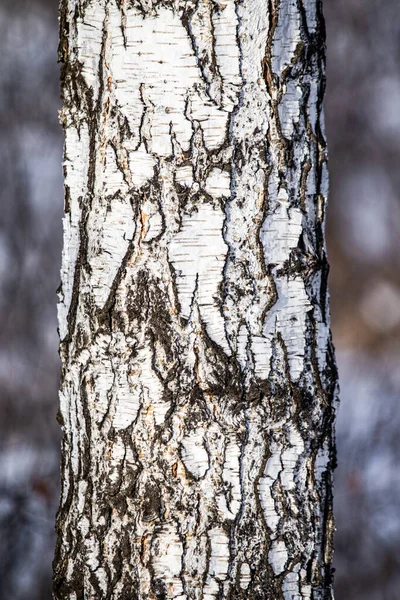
[242, 346]
[115, 227]
[218, 183]
[165, 78]
[245, 576]
[152, 389]
[100, 393]
[289, 108]
[151, 221]
[213, 120]
[167, 551]
[169, 79]
[311, 12]
[194, 455]
[89, 41]
[277, 557]
[253, 33]
[141, 166]
[113, 180]
[312, 104]
[115, 455]
[231, 475]
[291, 588]
[280, 234]
[184, 175]
[219, 561]
[198, 252]
[290, 313]
[76, 161]
[281, 231]
[306, 590]
[287, 36]
[195, 561]
[271, 473]
[128, 398]
[289, 458]
[227, 51]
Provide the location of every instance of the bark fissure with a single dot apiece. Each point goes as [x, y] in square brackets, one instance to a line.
[198, 386]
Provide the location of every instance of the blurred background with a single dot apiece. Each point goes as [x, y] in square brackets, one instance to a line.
[363, 126]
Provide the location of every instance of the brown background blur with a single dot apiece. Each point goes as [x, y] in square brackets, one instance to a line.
[363, 126]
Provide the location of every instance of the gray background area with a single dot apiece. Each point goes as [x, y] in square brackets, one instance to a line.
[363, 123]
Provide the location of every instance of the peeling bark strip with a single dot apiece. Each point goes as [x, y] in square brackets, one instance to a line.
[198, 383]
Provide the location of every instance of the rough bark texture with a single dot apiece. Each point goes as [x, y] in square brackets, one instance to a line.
[198, 382]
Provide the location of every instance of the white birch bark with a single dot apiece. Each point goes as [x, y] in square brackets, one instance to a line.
[198, 381]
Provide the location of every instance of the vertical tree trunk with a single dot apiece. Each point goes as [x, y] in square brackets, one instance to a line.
[198, 381]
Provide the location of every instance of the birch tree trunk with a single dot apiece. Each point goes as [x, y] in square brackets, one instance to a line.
[198, 380]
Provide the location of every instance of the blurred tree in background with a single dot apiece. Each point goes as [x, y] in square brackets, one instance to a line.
[363, 125]
[30, 249]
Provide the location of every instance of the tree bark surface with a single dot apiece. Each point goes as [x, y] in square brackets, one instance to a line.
[198, 383]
